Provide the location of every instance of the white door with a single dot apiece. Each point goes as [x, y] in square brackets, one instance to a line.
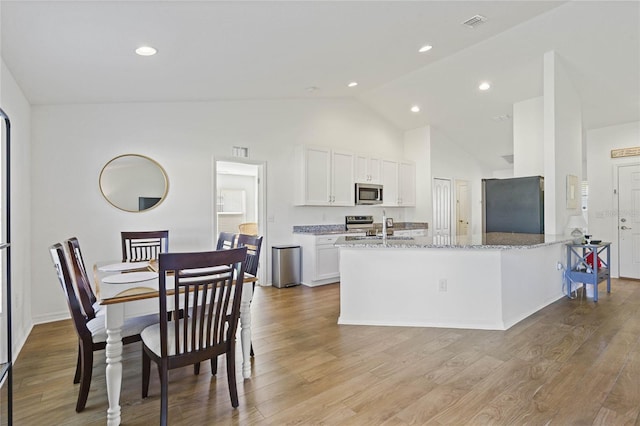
[629, 220]
[463, 203]
[441, 208]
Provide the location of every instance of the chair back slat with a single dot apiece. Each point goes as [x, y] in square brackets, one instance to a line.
[253, 244]
[143, 245]
[85, 292]
[60, 264]
[209, 286]
[249, 228]
[226, 240]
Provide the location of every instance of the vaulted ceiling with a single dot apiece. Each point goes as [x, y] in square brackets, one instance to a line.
[63, 52]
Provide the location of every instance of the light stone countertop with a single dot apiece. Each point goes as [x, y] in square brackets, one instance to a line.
[340, 228]
[491, 241]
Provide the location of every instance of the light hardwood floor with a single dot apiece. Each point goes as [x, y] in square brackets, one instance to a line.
[574, 362]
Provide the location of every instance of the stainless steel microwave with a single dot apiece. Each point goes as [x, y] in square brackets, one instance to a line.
[367, 193]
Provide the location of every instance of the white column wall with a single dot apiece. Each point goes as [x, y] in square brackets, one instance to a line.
[528, 138]
[562, 142]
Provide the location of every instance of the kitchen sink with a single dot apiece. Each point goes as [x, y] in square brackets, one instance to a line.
[375, 237]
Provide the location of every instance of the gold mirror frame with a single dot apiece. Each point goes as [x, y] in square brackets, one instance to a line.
[133, 183]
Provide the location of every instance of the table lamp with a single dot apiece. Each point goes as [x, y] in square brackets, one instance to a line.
[577, 224]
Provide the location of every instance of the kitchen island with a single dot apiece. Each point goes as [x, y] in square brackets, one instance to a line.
[489, 281]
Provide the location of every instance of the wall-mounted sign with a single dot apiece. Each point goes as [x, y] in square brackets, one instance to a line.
[625, 152]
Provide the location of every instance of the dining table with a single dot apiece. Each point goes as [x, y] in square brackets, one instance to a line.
[119, 285]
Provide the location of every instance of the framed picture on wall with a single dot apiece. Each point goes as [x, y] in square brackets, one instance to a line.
[573, 192]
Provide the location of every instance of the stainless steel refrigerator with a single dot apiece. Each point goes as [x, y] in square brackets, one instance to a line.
[513, 205]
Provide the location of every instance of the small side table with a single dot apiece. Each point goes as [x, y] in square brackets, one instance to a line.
[583, 265]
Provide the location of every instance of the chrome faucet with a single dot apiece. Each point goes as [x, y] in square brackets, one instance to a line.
[384, 227]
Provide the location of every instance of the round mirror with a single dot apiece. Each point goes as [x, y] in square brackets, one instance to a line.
[133, 183]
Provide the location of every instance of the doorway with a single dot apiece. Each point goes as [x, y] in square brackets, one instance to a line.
[629, 221]
[239, 195]
[463, 204]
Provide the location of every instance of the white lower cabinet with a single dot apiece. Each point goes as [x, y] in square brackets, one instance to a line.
[320, 258]
[410, 233]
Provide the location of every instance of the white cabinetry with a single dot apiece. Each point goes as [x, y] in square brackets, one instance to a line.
[325, 177]
[410, 233]
[389, 183]
[399, 182]
[407, 183]
[367, 169]
[320, 258]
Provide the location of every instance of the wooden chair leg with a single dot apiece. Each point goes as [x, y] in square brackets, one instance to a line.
[164, 394]
[85, 376]
[76, 377]
[196, 368]
[214, 365]
[251, 352]
[146, 373]
[231, 375]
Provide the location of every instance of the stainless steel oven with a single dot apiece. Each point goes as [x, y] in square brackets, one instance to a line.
[367, 193]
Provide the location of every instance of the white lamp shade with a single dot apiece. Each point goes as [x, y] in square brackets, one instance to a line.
[576, 222]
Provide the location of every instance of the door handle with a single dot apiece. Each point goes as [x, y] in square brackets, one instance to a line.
[624, 227]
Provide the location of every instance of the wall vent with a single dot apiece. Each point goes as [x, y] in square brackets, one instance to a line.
[474, 21]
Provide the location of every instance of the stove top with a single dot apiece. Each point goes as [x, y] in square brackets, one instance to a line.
[358, 222]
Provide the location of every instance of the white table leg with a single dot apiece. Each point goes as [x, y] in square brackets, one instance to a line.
[245, 328]
[114, 317]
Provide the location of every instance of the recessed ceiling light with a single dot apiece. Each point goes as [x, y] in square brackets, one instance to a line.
[415, 108]
[353, 84]
[425, 48]
[484, 86]
[146, 51]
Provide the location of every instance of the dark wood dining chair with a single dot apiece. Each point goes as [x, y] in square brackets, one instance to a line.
[143, 245]
[253, 243]
[226, 240]
[214, 281]
[92, 334]
[87, 296]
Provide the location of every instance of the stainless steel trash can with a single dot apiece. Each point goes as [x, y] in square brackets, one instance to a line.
[285, 265]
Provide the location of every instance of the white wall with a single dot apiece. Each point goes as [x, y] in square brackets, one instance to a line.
[528, 138]
[603, 204]
[14, 103]
[562, 143]
[71, 143]
[417, 147]
[450, 161]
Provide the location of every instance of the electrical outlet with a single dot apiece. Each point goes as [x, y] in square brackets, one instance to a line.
[442, 285]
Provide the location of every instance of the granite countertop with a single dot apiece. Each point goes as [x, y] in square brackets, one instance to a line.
[492, 241]
[340, 228]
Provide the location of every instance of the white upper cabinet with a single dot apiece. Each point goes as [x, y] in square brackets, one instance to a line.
[368, 169]
[407, 183]
[325, 177]
[399, 183]
[389, 183]
[342, 184]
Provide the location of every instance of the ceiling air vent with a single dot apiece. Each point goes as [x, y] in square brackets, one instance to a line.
[474, 21]
[508, 158]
